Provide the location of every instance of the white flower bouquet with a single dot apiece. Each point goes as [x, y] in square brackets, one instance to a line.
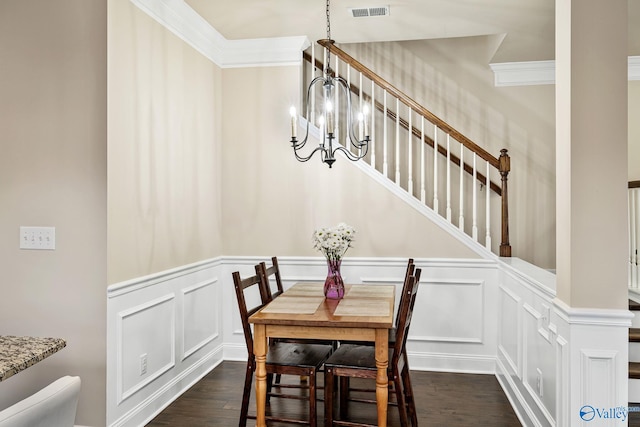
[334, 242]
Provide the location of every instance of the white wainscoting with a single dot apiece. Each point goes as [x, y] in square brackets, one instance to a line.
[173, 320]
[553, 360]
[496, 317]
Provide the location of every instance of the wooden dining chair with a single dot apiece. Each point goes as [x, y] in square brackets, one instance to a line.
[282, 358]
[392, 339]
[271, 276]
[358, 361]
[274, 288]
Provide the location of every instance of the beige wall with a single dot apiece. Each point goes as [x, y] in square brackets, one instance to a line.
[163, 158]
[452, 78]
[53, 119]
[272, 203]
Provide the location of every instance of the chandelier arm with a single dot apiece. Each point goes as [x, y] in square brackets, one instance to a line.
[353, 139]
[304, 159]
[349, 154]
[298, 145]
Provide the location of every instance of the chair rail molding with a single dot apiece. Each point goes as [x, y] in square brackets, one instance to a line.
[179, 18]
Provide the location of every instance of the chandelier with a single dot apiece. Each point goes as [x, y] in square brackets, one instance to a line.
[330, 85]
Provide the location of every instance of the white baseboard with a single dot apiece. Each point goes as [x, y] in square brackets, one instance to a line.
[144, 412]
[469, 364]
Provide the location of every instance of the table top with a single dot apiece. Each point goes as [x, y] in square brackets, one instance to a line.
[304, 304]
[18, 353]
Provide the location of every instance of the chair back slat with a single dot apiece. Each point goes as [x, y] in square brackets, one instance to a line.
[405, 312]
[408, 272]
[269, 273]
[241, 285]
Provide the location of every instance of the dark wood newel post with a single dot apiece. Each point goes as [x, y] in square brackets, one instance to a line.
[505, 167]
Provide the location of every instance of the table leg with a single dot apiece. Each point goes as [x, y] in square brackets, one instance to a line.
[382, 379]
[260, 352]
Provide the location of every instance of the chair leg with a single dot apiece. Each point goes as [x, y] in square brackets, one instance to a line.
[402, 405]
[270, 386]
[408, 393]
[344, 398]
[329, 389]
[312, 399]
[246, 394]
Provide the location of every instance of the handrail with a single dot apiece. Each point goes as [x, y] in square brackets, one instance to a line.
[634, 184]
[502, 163]
[345, 57]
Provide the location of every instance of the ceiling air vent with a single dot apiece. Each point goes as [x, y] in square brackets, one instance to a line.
[360, 12]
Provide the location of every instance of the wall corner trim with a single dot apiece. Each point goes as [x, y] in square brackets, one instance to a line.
[193, 29]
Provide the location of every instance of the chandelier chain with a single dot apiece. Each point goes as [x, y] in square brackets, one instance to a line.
[327, 62]
[328, 22]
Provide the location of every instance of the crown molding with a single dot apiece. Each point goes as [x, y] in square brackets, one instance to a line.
[177, 17]
[541, 72]
[524, 73]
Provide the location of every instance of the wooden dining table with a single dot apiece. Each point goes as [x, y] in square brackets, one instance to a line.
[364, 314]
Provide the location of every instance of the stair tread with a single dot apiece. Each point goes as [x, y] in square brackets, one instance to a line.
[634, 334]
[634, 370]
[634, 305]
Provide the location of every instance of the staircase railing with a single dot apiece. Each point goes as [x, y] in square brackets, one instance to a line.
[634, 234]
[402, 150]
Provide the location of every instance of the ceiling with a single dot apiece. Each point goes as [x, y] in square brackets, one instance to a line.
[526, 25]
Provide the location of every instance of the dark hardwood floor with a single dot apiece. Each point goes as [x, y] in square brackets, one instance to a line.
[443, 399]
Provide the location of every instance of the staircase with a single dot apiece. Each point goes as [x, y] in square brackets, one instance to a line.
[415, 150]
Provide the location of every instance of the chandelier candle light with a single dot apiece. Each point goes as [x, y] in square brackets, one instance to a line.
[333, 243]
[330, 82]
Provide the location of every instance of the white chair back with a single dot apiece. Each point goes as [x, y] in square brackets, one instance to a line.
[53, 406]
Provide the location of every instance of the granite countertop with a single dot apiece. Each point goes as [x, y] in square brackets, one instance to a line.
[18, 353]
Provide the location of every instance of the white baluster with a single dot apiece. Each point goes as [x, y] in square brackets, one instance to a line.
[636, 193]
[635, 236]
[372, 145]
[312, 101]
[423, 190]
[487, 189]
[336, 108]
[435, 168]
[474, 228]
[398, 141]
[410, 148]
[448, 178]
[385, 120]
[633, 280]
[461, 218]
[347, 142]
[361, 94]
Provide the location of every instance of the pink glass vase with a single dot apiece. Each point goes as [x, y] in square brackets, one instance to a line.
[333, 285]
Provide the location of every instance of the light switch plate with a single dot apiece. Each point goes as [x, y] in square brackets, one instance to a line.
[38, 238]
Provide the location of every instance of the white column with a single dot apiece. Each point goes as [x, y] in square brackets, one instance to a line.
[591, 207]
